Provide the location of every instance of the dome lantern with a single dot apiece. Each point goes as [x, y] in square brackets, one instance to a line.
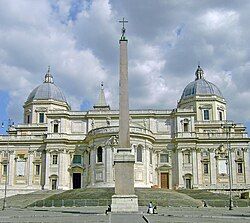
[199, 73]
[48, 77]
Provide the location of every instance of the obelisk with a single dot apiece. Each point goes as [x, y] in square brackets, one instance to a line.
[124, 199]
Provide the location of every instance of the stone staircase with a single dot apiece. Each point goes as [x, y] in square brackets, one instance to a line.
[23, 200]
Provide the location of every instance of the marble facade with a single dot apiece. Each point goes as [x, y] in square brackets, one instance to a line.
[184, 147]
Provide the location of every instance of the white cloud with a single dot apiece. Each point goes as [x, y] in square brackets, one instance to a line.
[79, 39]
[219, 19]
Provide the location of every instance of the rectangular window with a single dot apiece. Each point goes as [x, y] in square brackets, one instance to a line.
[77, 159]
[89, 157]
[99, 154]
[37, 169]
[56, 128]
[54, 159]
[206, 114]
[164, 158]
[239, 152]
[139, 154]
[187, 158]
[205, 168]
[220, 116]
[240, 168]
[28, 119]
[150, 157]
[41, 117]
[185, 127]
[5, 155]
[20, 165]
[5, 169]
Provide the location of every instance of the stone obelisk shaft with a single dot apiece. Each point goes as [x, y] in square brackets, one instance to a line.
[124, 138]
[124, 199]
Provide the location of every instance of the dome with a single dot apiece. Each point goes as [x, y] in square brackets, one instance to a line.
[47, 90]
[200, 87]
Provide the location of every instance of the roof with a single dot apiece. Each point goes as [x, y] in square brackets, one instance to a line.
[47, 90]
[200, 87]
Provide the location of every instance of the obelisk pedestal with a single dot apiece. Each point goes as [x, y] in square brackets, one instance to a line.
[124, 199]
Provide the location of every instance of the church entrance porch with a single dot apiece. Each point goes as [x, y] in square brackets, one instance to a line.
[77, 182]
[165, 180]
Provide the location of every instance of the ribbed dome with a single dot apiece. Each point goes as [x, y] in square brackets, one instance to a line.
[200, 87]
[47, 90]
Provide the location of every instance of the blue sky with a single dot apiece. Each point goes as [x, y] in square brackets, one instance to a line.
[167, 39]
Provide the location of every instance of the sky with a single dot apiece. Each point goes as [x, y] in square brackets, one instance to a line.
[79, 39]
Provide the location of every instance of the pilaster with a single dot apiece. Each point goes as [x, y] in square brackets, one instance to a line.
[194, 169]
[47, 172]
[12, 163]
[213, 172]
[180, 168]
[30, 168]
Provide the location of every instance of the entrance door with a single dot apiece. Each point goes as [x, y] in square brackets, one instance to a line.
[165, 180]
[54, 184]
[188, 183]
[77, 180]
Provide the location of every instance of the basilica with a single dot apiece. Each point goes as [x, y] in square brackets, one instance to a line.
[191, 146]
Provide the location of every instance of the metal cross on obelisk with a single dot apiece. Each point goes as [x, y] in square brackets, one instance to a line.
[124, 199]
[123, 28]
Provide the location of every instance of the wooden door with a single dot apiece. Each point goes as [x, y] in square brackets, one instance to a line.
[188, 184]
[77, 180]
[165, 180]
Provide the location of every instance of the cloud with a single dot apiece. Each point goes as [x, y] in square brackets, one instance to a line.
[167, 39]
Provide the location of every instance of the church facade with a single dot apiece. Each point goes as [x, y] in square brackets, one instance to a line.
[185, 147]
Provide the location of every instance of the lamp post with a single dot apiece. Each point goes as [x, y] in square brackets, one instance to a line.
[7, 169]
[228, 126]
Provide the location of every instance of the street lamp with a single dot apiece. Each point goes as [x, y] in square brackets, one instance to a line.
[7, 169]
[228, 126]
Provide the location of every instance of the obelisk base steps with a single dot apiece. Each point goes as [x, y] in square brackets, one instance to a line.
[124, 203]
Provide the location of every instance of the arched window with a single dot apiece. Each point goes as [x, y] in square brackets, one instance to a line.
[139, 154]
[99, 154]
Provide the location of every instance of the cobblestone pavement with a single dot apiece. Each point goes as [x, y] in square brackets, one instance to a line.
[96, 214]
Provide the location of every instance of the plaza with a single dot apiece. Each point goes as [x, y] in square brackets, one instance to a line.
[97, 214]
